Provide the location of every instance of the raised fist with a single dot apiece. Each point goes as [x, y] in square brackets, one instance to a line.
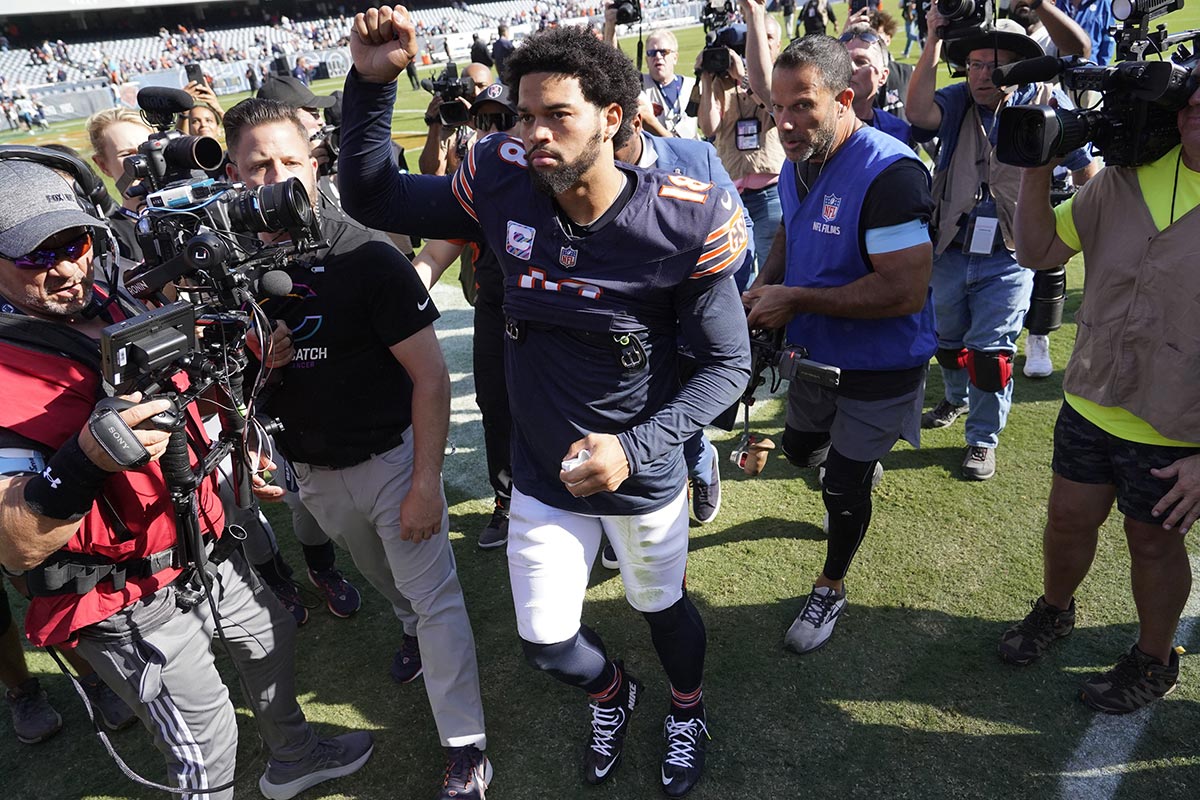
[382, 43]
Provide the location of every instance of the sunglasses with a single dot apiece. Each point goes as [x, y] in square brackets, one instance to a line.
[50, 257]
[501, 121]
[870, 37]
[655, 53]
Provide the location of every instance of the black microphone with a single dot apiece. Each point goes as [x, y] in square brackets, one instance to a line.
[1032, 70]
[276, 283]
[164, 98]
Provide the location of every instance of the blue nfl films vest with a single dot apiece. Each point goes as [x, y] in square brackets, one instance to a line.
[823, 251]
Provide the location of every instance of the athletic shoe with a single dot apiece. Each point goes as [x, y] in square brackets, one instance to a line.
[814, 626]
[468, 773]
[1037, 356]
[341, 598]
[111, 711]
[1136, 681]
[1029, 639]
[331, 758]
[608, 557]
[687, 740]
[34, 719]
[288, 595]
[496, 532]
[979, 463]
[609, 724]
[706, 497]
[943, 414]
[406, 665]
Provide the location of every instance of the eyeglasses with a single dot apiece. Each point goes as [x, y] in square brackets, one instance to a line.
[655, 53]
[983, 66]
[50, 257]
[870, 37]
[501, 121]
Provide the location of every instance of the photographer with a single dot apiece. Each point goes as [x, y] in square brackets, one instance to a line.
[1129, 427]
[868, 55]
[105, 528]
[734, 116]
[447, 145]
[374, 480]
[980, 292]
[666, 92]
[848, 276]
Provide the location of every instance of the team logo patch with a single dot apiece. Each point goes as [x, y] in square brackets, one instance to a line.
[567, 257]
[493, 91]
[519, 242]
[830, 204]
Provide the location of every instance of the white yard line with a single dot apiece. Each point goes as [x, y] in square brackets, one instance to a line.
[465, 469]
[1102, 758]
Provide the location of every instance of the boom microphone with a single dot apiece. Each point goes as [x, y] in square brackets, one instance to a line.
[164, 99]
[276, 283]
[1032, 70]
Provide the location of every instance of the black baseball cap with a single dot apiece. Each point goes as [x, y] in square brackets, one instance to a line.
[292, 92]
[496, 93]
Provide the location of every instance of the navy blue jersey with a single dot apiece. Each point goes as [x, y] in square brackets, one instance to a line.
[659, 271]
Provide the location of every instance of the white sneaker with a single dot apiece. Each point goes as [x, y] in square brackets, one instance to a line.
[1037, 356]
[814, 626]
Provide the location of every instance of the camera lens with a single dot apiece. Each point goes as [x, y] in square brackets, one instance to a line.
[193, 152]
[269, 209]
[956, 9]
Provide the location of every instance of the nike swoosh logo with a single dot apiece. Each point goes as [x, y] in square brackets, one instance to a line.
[666, 781]
[600, 773]
[422, 306]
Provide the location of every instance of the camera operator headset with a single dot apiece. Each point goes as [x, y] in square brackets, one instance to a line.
[78, 477]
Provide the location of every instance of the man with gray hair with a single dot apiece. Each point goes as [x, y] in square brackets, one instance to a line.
[663, 91]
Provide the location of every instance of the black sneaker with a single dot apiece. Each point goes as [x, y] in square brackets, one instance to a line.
[468, 773]
[331, 758]
[706, 497]
[288, 594]
[406, 665]
[111, 711]
[1135, 681]
[1029, 639]
[496, 532]
[943, 414]
[34, 719]
[609, 724]
[686, 742]
[608, 557]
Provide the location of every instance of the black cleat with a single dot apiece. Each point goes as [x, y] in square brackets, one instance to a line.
[610, 722]
[687, 740]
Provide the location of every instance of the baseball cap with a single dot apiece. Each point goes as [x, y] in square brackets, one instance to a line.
[496, 93]
[290, 91]
[44, 205]
[1005, 34]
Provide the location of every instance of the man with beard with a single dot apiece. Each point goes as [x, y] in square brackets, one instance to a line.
[848, 276]
[607, 266]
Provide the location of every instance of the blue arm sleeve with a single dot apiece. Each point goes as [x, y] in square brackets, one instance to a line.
[713, 324]
[373, 191]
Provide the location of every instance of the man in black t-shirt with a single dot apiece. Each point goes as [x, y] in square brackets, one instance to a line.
[365, 404]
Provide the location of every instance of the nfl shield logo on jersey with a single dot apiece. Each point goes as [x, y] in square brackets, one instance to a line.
[830, 204]
[519, 242]
[567, 257]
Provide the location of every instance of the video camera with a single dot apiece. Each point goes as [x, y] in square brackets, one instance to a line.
[714, 58]
[628, 11]
[964, 17]
[450, 87]
[1141, 99]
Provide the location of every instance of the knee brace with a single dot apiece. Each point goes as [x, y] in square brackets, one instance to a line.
[578, 661]
[951, 358]
[805, 448]
[1046, 306]
[990, 372]
[847, 498]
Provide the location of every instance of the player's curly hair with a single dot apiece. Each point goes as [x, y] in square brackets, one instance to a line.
[605, 74]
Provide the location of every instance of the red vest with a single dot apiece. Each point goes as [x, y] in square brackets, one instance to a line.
[48, 398]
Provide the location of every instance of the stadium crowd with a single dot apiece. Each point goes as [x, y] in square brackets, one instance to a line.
[806, 190]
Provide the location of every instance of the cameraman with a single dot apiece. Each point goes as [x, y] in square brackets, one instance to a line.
[74, 513]
[849, 278]
[447, 145]
[1129, 428]
[734, 116]
[373, 480]
[980, 292]
[666, 92]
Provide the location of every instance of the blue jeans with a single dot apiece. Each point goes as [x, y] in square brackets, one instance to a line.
[766, 213]
[979, 302]
[698, 454]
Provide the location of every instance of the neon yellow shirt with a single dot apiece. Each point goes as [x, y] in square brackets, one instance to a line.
[1159, 188]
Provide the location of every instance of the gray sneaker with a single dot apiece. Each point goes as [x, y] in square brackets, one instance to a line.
[979, 463]
[814, 626]
[34, 719]
[111, 711]
[943, 414]
[331, 758]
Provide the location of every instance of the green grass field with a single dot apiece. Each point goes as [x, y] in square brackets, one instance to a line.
[907, 701]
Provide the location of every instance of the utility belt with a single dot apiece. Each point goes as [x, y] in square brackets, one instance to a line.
[628, 348]
[79, 573]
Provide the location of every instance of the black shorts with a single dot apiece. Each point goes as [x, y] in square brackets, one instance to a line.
[1085, 453]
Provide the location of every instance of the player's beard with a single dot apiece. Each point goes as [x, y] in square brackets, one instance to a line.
[554, 182]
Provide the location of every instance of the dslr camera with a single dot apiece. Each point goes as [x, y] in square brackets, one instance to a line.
[964, 17]
[628, 11]
[714, 58]
[1135, 124]
[450, 87]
